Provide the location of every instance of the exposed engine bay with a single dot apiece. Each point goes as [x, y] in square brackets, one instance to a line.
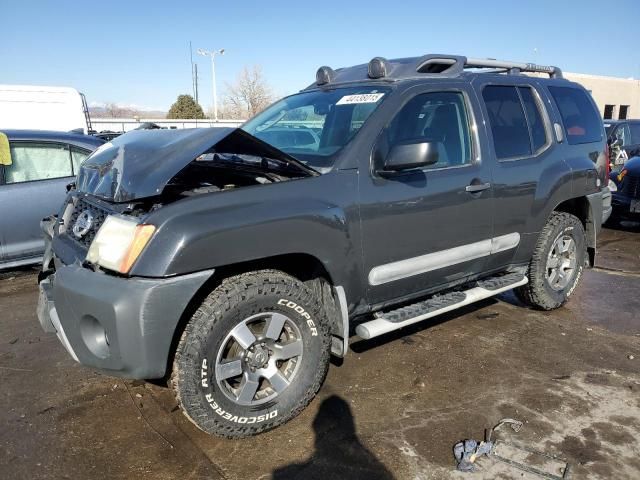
[216, 172]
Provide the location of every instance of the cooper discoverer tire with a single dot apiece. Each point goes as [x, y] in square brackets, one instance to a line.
[557, 263]
[252, 356]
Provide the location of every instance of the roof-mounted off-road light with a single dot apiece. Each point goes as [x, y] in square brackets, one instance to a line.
[378, 67]
[324, 75]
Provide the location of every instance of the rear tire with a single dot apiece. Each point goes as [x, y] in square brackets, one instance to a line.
[252, 356]
[557, 263]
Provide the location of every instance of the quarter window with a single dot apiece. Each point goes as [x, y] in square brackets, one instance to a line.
[435, 117]
[581, 120]
[508, 122]
[38, 161]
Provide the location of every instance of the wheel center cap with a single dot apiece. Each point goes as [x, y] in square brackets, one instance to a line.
[258, 356]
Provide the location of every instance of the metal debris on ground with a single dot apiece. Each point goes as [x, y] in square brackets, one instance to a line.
[468, 451]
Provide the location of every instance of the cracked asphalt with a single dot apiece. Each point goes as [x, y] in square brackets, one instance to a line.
[393, 409]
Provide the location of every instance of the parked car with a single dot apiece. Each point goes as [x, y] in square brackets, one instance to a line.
[36, 168]
[108, 135]
[624, 138]
[626, 192]
[237, 266]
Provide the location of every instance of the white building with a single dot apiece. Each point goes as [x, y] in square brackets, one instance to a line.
[617, 98]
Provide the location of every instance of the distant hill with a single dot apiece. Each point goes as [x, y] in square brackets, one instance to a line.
[114, 111]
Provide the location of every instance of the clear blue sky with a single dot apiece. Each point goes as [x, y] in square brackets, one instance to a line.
[136, 52]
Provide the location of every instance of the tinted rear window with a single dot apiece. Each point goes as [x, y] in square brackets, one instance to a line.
[582, 123]
[508, 122]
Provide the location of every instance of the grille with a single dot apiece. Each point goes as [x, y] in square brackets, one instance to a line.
[98, 213]
[631, 186]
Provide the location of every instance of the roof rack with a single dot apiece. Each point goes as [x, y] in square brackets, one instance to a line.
[446, 65]
[513, 67]
[456, 64]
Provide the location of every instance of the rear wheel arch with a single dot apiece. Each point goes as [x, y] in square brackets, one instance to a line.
[580, 208]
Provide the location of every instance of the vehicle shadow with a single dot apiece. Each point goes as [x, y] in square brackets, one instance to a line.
[338, 451]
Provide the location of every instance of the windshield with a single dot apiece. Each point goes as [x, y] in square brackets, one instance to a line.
[313, 126]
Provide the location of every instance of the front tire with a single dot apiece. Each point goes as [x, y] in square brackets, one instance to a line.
[252, 356]
[557, 263]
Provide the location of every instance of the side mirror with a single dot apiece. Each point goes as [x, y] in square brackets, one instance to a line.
[410, 155]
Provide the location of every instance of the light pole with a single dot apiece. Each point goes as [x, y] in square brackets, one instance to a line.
[212, 54]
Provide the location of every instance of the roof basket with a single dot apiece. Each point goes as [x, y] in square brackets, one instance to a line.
[455, 64]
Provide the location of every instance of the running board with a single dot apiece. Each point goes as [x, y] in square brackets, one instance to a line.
[392, 320]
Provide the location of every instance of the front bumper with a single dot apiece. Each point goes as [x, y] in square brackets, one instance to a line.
[124, 326]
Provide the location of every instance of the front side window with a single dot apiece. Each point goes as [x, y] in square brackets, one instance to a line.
[314, 126]
[37, 161]
[439, 117]
[581, 120]
[508, 122]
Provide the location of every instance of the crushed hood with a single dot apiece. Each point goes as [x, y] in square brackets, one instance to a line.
[139, 164]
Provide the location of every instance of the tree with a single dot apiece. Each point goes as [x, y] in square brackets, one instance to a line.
[185, 107]
[114, 110]
[248, 95]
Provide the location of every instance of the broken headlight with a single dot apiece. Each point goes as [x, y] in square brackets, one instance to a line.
[118, 243]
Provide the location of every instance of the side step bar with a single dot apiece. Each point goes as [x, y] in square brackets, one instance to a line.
[392, 320]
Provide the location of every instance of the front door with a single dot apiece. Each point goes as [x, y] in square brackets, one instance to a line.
[431, 226]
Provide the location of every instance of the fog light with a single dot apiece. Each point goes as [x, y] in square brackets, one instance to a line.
[94, 336]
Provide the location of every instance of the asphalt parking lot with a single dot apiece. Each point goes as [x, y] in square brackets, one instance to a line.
[393, 409]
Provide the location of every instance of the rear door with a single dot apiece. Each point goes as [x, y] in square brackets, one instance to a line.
[427, 227]
[32, 187]
[526, 169]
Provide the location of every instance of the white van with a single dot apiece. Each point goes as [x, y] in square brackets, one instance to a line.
[43, 108]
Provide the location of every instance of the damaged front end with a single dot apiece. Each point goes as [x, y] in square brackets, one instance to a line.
[105, 316]
[137, 173]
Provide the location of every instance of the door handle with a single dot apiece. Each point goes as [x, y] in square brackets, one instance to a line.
[479, 187]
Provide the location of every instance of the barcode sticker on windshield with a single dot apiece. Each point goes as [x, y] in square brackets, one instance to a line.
[362, 98]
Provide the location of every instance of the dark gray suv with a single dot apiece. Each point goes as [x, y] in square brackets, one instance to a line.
[236, 261]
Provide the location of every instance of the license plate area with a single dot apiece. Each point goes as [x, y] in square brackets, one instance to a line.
[635, 206]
